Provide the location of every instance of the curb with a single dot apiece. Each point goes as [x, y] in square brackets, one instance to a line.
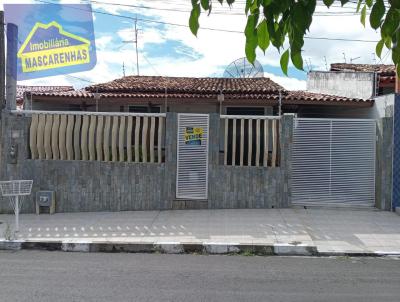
[207, 248]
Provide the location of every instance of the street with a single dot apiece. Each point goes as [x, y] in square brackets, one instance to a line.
[57, 276]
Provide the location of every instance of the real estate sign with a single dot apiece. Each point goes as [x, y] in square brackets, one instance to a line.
[193, 135]
[53, 39]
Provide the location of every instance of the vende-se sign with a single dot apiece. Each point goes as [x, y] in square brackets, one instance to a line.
[53, 39]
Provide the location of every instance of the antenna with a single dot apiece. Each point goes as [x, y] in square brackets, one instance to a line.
[344, 57]
[326, 63]
[374, 58]
[242, 68]
[308, 65]
[123, 68]
[136, 45]
[353, 59]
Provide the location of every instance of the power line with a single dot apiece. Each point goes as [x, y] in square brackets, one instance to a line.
[213, 12]
[204, 28]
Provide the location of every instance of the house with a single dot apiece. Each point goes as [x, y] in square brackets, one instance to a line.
[121, 145]
[354, 80]
[242, 96]
[23, 89]
[365, 81]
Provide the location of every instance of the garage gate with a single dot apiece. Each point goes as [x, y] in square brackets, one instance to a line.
[333, 162]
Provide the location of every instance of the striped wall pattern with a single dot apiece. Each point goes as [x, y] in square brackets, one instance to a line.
[251, 140]
[97, 137]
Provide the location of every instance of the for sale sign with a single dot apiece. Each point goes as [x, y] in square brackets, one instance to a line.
[193, 135]
[53, 39]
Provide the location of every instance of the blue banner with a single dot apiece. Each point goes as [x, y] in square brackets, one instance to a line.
[53, 39]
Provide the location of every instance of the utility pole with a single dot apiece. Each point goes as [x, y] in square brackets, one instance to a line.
[11, 72]
[2, 62]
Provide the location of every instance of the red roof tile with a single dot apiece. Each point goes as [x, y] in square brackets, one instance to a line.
[188, 85]
[301, 97]
[21, 89]
[260, 90]
[288, 98]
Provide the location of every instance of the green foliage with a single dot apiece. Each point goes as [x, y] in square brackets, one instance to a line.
[377, 13]
[275, 22]
[285, 61]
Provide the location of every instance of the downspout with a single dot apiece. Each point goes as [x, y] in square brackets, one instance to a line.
[166, 100]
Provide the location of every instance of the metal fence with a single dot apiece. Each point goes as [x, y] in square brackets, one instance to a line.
[251, 140]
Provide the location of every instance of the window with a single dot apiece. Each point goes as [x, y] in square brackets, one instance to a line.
[74, 107]
[144, 109]
[245, 111]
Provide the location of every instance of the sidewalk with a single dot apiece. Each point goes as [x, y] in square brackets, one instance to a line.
[284, 231]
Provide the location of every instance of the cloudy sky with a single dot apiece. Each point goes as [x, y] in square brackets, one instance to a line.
[167, 49]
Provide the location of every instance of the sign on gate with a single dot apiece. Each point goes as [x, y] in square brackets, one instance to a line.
[193, 135]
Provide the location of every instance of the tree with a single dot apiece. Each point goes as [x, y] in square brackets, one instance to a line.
[275, 21]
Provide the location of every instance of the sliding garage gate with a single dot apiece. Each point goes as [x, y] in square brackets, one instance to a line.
[333, 162]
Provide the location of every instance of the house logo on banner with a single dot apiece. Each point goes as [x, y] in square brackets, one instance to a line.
[49, 47]
[55, 39]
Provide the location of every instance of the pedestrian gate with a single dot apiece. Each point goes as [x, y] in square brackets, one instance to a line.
[333, 162]
[192, 160]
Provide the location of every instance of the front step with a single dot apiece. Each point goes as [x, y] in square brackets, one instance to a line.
[182, 204]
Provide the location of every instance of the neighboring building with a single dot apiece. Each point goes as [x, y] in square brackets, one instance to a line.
[22, 90]
[354, 80]
[255, 96]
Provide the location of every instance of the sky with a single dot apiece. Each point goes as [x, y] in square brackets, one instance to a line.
[166, 49]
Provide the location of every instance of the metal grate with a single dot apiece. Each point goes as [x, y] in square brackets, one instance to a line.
[333, 162]
[192, 161]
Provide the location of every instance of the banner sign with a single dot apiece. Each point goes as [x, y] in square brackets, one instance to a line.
[53, 39]
[193, 136]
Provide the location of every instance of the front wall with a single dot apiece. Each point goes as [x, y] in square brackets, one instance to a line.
[93, 186]
[114, 186]
[81, 185]
[245, 187]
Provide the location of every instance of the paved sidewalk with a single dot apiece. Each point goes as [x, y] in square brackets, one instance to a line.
[331, 231]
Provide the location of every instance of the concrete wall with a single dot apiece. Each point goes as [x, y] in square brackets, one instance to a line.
[383, 106]
[109, 186]
[348, 84]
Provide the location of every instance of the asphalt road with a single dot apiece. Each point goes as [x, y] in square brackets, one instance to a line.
[57, 276]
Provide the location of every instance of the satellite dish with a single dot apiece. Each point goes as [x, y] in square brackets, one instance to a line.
[242, 68]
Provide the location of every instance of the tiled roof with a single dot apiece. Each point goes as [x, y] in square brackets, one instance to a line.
[188, 85]
[381, 69]
[288, 97]
[38, 89]
[181, 90]
[306, 97]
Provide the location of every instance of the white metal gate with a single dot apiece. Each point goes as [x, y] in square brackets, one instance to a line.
[333, 162]
[192, 161]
